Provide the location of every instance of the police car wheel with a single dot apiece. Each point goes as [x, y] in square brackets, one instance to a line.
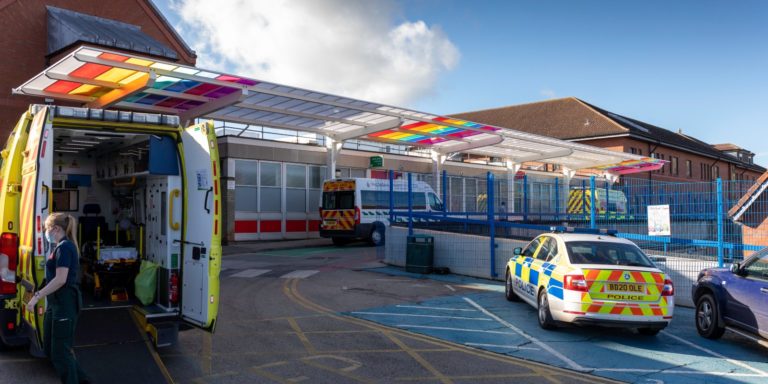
[706, 317]
[509, 293]
[545, 316]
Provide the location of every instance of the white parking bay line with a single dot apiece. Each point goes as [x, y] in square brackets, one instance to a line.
[301, 274]
[499, 346]
[452, 329]
[675, 372]
[410, 315]
[571, 363]
[715, 354]
[251, 273]
[437, 308]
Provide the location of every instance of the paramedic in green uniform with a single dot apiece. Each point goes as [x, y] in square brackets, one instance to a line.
[62, 293]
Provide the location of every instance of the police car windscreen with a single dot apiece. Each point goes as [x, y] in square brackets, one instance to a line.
[339, 200]
[607, 253]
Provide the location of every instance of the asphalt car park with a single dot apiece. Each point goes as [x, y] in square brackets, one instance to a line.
[325, 314]
[489, 322]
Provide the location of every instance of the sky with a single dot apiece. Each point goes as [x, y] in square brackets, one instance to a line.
[697, 66]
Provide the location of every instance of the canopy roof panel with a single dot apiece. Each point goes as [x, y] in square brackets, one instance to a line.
[104, 79]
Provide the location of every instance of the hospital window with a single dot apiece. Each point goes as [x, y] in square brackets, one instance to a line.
[295, 188]
[271, 199]
[316, 177]
[246, 185]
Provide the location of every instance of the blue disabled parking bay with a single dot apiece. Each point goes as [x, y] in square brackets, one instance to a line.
[487, 321]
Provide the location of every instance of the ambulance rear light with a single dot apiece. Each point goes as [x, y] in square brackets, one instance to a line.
[357, 215]
[575, 283]
[9, 256]
[116, 116]
[669, 288]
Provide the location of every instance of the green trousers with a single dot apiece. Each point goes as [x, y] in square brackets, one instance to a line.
[59, 333]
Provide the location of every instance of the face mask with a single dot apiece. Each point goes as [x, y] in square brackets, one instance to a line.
[49, 236]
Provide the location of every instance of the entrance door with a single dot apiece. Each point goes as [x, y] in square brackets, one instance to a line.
[201, 236]
[36, 198]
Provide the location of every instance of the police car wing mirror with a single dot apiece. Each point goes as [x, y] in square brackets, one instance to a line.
[736, 268]
[517, 251]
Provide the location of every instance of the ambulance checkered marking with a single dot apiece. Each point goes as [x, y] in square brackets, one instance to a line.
[577, 203]
[343, 220]
[334, 186]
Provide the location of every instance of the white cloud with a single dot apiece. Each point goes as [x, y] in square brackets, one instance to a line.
[548, 93]
[351, 48]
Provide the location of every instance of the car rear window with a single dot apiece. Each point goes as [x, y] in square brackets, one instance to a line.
[607, 253]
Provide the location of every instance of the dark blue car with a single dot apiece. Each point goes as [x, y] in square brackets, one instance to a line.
[734, 297]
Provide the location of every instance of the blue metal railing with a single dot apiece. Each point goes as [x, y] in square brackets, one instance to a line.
[697, 212]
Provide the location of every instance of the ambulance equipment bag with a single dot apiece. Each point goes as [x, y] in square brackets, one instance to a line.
[146, 282]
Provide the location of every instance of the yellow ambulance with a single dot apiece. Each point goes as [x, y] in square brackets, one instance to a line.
[142, 188]
[607, 202]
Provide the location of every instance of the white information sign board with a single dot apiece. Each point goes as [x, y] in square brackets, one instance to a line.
[658, 220]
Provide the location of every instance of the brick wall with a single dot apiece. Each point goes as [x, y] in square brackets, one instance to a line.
[23, 42]
[644, 148]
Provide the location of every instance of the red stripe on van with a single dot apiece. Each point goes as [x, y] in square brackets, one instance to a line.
[270, 226]
[295, 226]
[246, 226]
[314, 225]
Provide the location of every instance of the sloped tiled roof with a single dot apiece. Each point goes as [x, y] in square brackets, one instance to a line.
[66, 28]
[566, 118]
[571, 118]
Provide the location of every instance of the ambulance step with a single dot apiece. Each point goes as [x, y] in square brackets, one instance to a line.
[155, 313]
[164, 334]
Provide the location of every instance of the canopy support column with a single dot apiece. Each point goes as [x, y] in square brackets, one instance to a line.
[333, 148]
[512, 169]
[565, 190]
[437, 171]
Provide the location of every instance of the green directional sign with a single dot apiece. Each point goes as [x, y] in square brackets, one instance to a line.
[377, 162]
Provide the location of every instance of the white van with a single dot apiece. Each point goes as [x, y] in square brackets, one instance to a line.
[359, 208]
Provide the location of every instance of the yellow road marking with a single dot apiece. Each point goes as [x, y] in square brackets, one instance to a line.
[343, 371]
[290, 289]
[152, 350]
[419, 359]
[304, 340]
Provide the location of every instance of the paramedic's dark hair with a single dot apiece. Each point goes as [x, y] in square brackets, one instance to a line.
[67, 222]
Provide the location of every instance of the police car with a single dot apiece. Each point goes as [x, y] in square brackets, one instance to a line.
[590, 279]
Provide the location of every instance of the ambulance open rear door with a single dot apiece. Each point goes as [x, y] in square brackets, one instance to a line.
[36, 201]
[201, 234]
